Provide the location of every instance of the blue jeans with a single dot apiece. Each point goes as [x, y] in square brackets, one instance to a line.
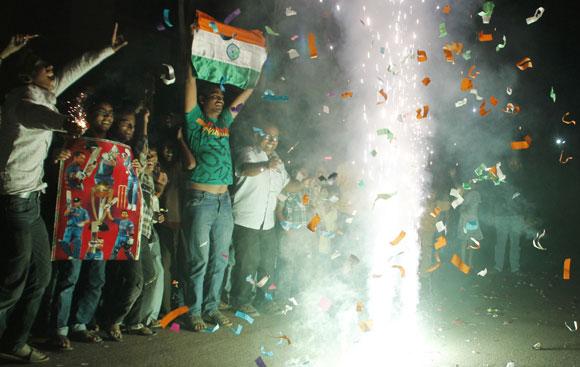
[71, 241]
[88, 295]
[152, 303]
[508, 229]
[208, 225]
[24, 267]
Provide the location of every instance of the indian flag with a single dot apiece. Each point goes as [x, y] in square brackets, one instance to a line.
[221, 53]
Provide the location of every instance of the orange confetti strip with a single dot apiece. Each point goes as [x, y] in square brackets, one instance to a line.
[422, 113]
[566, 121]
[346, 95]
[459, 264]
[312, 46]
[446, 9]
[482, 111]
[305, 199]
[566, 272]
[493, 101]
[485, 37]
[426, 81]
[421, 56]
[172, 315]
[456, 47]
[435, 213]
[437, 264]
[471, 74]
[313, 223]
[448, 55]
[360, 306]
[399, 238]
[524, 64]
[511, 108]
[564, 160]
[401, 270]
[365, 325]
[384, 95]
[440, 242]
[466, 85]
[521, 145]
[284, 337]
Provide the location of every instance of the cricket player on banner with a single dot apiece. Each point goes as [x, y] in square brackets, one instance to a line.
[98, 210]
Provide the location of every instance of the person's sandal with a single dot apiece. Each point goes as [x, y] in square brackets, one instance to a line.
[115, 333]
[86, 336]
[26, 354]
[216, 317]
[61, 342]
[142, 331]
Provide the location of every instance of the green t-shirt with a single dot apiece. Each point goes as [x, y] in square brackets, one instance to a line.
[209, 140]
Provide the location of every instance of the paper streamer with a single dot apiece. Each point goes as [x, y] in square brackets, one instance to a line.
[566, 121]
[564, 160]
[244, 316]
[566, 271]
[537, 15]
[459, 264]
[312, 46]
[168, 77]
[398, 239]
[233, 15]
[172, 315]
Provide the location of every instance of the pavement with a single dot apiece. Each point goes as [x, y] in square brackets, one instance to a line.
[466, 321]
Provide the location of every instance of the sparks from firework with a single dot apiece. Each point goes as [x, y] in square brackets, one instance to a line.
[76, 110]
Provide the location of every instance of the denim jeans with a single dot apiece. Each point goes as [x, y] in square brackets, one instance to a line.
[152, 303]
[87, 296]
[208, 224]
[508, 229]
[256, 253]
[123, 288]
[24, 267]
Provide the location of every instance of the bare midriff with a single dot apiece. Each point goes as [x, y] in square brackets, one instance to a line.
[212, 189]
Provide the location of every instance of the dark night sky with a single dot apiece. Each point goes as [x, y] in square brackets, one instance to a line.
[69, 27]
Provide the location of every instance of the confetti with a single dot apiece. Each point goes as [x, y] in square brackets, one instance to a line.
[523, 144]
[524, 64]
[537, 15]
[293, 54]
[459, 264]
[553, 94]
[365, 325]
[422, 113]
[305, 199]
[346, 95]
[501, 45]
[269, 95]
[440, 226]
[487, 11]
[458, 198]
[508, 90]
[238, 329]
[566, 271]
[477, 96]
[265, 353]
[313, 223]
[482, 111]
[233, 15]
[211, 330]
[172, 315]
[448, 55]
[175, 327]
[426, 81]
[446, 9]
[401, 270]
[482, 273]
[437, 264]
[294, 37]
[290, 12]
[511, 108]
[466, 85]
[214, 27]
[324, 304]
[421, 56]
[440, 242]
[260, 362]
[262, 281]
[312, 46]
[360, 306]
[493, 101]
[461, 103]
[566, 121]
[476, 245]
[467, 55]
[536, 241]
[435, 213]
[166, 18]
[564, 160]
[398, 238]
[575, 323]
[384, 95]
[270, 31]
[244, 316]
[442, 30]
[325, 109]
[222, 86]
[485, 37]
[471, 72]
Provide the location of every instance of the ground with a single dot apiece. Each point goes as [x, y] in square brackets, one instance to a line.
[467, 321]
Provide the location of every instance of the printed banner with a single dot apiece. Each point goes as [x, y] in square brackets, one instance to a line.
[98, 209]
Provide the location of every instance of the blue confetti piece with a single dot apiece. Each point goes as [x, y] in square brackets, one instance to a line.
[166, 18]
[244, 316]
[260, 132]
[211, 330]
[222, 81]
[260, 362]
[238, 329]
[266, 353]
[268, 296]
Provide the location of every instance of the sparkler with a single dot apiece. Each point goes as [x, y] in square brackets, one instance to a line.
[76, 110]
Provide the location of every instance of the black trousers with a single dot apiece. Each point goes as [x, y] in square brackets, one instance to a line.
[256, 253]
[24, 267]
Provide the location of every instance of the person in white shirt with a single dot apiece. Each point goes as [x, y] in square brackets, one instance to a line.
[260, 177]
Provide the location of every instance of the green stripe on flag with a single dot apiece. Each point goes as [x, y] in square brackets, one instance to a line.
[213, 71]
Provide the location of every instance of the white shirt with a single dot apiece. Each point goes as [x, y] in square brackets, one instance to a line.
[255, 197]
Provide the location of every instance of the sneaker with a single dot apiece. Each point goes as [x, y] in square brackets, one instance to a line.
[216, 317]
[249, 310]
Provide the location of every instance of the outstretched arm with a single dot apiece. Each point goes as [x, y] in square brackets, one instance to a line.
[190, 90]
[240, 99]
[16, 43]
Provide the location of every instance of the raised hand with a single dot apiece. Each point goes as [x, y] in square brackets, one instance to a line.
[17, 42]
[117, 42]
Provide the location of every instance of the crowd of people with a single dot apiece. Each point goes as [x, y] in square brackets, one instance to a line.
[219, 230]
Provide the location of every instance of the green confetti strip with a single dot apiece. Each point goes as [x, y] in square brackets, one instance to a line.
[501, 45]
[553, 94]
[442, 30]
[271, 32]
[387, 132]
[467, 55]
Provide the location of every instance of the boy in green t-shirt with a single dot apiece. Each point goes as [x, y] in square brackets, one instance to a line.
[207, 214]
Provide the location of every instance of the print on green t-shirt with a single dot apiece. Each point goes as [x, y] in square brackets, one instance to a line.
[209, 140]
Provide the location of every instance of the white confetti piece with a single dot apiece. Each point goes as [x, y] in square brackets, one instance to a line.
[537, 15]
